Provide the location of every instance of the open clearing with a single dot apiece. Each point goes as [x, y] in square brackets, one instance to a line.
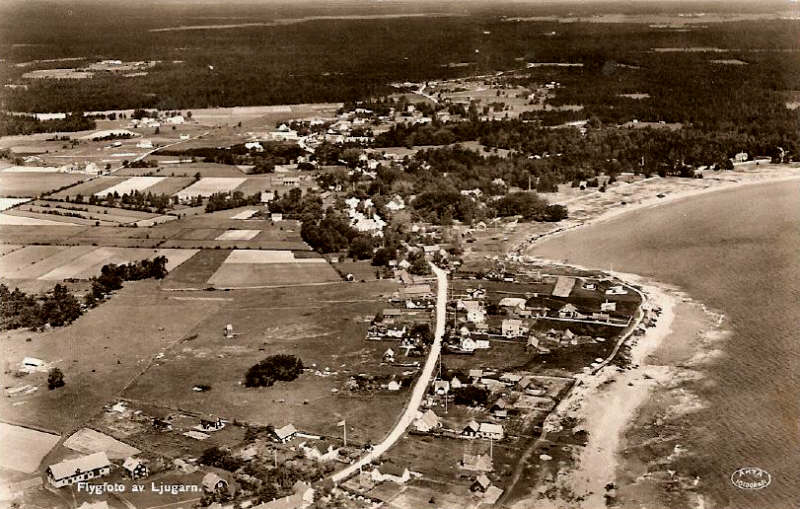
[22, 449]
[131, 184]
[207, 186]
[34, 184]
[238, 234]
[245, 214]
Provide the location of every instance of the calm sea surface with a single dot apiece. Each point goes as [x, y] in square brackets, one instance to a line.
[739, 252]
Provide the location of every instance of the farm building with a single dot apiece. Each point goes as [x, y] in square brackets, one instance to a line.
[441, 387]
[568, 311]
[391, 472]
[481, 483]
[516, 304]
[471, 429]
[135, 468]
[285, 433]
[81, 469]
[491, 431]
[427, 422]
[213, 483]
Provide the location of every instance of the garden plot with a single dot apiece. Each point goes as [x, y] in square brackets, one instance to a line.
[205, 187]
[22, 449]
[238, 235]
[130, 185]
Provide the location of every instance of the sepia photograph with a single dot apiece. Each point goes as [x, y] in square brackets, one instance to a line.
[400, 254]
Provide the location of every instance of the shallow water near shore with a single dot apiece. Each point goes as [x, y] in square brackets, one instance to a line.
[737, 251]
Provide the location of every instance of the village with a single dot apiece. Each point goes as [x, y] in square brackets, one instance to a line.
[227, 196]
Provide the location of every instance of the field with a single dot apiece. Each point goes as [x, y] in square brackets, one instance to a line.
[22, 449]
[34, 184]
[205, 170]
[81, 214]
[89, 187]
[324, 326]
[132, 184]
[88, 441]
[258, 267]
[55, 263]
[207, 186]
[7, 203]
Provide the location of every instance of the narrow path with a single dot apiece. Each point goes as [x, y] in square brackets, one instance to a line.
[420, 388]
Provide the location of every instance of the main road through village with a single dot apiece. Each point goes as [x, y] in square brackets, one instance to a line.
[420, 388]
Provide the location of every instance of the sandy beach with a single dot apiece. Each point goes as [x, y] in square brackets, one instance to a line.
[632, 415]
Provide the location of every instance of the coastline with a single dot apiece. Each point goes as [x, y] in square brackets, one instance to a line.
[627, 457]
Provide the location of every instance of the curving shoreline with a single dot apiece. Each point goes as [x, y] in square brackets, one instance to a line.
[610, 454]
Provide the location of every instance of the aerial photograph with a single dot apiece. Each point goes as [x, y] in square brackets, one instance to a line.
[400, 254]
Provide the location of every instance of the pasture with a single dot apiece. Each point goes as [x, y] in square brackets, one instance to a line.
[324, 326]
[100, 353]
[88, 188]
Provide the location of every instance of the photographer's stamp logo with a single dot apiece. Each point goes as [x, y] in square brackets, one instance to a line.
[751, 478]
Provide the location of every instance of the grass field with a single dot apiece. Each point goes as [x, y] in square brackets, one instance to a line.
[205, 170]
[255, 185]
[324, 326]
[170, 185]
[237, 234]
[100, 353]
[34, 184]
[265, 267]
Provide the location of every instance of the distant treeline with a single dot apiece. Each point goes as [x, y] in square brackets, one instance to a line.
[12, 125]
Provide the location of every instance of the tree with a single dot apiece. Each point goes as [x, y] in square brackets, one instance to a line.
[274, 368]
[55, 379]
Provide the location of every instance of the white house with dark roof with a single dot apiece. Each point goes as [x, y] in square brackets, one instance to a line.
[285, 433]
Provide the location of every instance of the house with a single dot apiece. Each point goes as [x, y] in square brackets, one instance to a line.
[481, 484]
[455, 383]
[471, 429]
[500, 404]
[212, 483]
[475, 312]
[135, 468]
[427, 422]
[285, 433]
[475, 374]
[441, 387]
[206, 425]
[394, 385]
[388, 355]
[512, 328]
[533, 342]
[617, 290]
[176, 120]
[510, 378]
[515, 304]
[254, 145]
[396, 204]
[276, 217]
[267, 196]
[568, 311]
[608, 306]
[144, 144]
[84, 468]
[491, 431]
[31, 364]
[477, 463]
[740, 157]
[415, 291]
[391, 472]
